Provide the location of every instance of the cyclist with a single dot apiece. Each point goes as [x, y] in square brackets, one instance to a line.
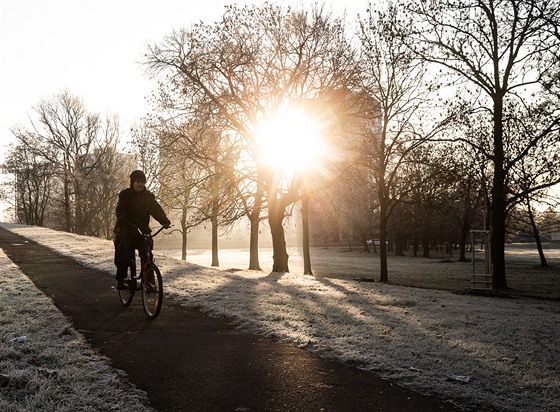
[135, 206]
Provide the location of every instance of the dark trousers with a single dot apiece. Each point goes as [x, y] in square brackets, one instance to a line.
[125, 246]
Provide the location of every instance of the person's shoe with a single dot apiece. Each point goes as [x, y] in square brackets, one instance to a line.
[121, 285]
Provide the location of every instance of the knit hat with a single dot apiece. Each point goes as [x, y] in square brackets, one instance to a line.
[137, 175]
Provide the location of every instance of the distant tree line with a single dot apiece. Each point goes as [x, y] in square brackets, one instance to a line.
[441, 116]
[66, 168]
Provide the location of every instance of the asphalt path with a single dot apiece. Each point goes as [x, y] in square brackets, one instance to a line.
[186, 360]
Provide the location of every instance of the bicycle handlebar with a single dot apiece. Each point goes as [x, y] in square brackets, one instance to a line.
[146, 234]
[159, 230]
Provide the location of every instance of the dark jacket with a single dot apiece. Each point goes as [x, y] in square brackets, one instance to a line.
[136, 208]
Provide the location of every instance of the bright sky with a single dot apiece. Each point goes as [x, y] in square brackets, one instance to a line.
[93, 49]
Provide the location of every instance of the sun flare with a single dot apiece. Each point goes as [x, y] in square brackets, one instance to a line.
[290, 140]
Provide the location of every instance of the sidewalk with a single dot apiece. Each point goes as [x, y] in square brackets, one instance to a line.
[188, 361]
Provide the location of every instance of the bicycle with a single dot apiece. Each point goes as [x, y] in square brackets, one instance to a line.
[148, 280]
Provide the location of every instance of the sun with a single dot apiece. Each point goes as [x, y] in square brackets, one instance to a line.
[291, 141]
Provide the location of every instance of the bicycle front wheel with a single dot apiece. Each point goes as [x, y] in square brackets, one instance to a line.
[152, 291]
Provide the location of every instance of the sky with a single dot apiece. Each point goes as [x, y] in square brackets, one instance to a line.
[427, 340]
[93, 49]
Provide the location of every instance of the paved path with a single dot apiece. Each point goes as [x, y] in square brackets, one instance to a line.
[188, 361]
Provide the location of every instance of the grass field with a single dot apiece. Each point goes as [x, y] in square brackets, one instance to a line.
[524, 274]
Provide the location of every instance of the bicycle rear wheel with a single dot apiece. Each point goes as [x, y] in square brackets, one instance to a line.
[126, 295]
[152, 291]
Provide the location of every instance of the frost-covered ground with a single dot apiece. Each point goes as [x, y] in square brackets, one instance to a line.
[45, 364]
[481, 353]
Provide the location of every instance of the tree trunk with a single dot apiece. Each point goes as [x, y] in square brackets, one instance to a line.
[537, 235]
[184, 245]
[364, 239]
[67, 211]
[399, 245]
[498, 202]
[305, 227]
[425, 246]
[497, 247]
[383, 269]
[184, 234]
[544, 263]
[214, 222]
[463, 241]
[254, 220]
[78, 217]
[276, 211]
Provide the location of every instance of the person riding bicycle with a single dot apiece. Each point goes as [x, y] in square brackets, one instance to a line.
[135, 206]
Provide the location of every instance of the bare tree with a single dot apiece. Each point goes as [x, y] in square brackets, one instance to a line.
[549, 219]
[256, 60]
[195, 162]
[75, 143]
[499, 49]
[100, 172]
[30, 185]
[144, 148]
[102, 188]
[396, 91]
[467, 199]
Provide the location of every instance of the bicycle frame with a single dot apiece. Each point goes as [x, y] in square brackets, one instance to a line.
[148, 247]
[148, 279]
